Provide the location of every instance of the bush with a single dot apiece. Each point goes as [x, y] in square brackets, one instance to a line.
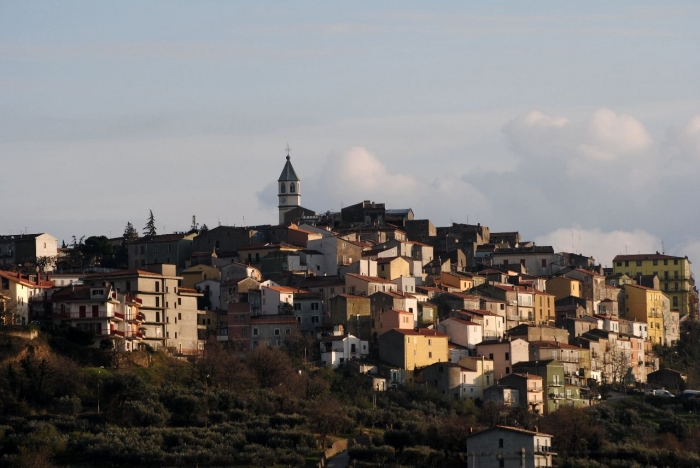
[67, 405]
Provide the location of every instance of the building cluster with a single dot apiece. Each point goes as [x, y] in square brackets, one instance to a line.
[474, 313]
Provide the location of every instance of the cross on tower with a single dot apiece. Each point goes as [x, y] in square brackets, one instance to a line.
[288, 148]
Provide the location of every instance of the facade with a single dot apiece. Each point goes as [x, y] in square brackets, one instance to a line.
[170, 312]
[173, 249]
[529, 388]
[101, 310]
[504, 353]
[29, 248]
[409, 349]
[505, 447]
[646, 305]
[272, 330]
[462, 332]
[22, 292]
[336, 351]
[352, 312]
[675, 277]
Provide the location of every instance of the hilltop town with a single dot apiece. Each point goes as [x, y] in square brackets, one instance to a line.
[376, 292]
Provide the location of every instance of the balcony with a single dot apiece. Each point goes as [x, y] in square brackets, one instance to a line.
[543, 449]
[119, 316]
[117, 333]
[73, 315]
[555, 384]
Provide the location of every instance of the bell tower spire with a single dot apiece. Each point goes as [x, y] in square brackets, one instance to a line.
[288, 188]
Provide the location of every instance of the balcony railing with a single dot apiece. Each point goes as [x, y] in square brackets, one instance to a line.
[117, 332]
[85, 315]
[543, 449]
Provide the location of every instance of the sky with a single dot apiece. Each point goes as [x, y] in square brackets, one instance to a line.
[575, 123]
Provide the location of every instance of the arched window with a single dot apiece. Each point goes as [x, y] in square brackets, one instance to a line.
[282, 189]
[291, 187]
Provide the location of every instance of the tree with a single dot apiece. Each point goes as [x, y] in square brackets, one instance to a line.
[150, 228]
[269, 366]
[204, 228]
[98, 251]
[130, 233]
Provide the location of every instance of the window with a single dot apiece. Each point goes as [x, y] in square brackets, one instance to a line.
[627, 263]
[675, 274]
[665, 262]
[654, 262]
[157, 301]
[157, 286]
[507, 356]
[500, 443]
[507, 370]
[95, 311]
[314, 306]
[675, 261]
[544, 263]
[314, 319]
[157, 316]
[292, 187]
[638, 263]
[287, 331]
[81, 311]
[491, 356]
[619, 264]
[255, 332]
[283, 188]
[175, 335]
[430, 354]
[277, 332]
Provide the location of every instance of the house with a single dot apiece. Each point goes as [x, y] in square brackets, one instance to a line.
[393, 318]
[493, 325]
[367, 284]
[171, 315]
[239, 270]
[352, 312]
[336, 351]
[102, 310]
[504, 353]
[211, 290]
[36, 249]
[532, 333]
[669, 379]
[646, 305]
[476, 376]
[539, 260]
[382, 301]
[576, 360]
[462, 332]
[462, 282]
[675, 277]
[252, 254]
[226, 239]
[337, 252]
[175, 249]
[409, 349]
[365, 212]
[193, 275]
[308, 310]
[234, 289]
[22, 292]
[592, 285]
[529, 388]
[562, 287]
[272, 330]
[504, 446]
[552, 373]
[235, 326]
[502, 395]
[391, 268]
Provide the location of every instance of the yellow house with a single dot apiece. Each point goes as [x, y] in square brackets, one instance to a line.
[675, 277]
[197, 273]
[544, 307]
[646, 305]
[391, 268]
[411, 349]
[562, 287]
[461, 282]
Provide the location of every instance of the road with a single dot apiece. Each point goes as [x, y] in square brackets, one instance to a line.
[339, 461]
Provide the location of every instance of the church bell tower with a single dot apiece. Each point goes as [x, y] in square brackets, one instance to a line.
[288, 189]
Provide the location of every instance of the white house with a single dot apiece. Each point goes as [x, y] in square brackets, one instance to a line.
[337, 350]
[462, 332]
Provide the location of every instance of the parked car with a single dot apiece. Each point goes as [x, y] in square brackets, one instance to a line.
[690, 394]
[664, 393]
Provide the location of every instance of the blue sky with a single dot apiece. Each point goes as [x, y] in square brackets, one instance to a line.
[545, 117]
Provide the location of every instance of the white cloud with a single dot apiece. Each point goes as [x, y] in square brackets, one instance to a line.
[685, 141]
[601, 245]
